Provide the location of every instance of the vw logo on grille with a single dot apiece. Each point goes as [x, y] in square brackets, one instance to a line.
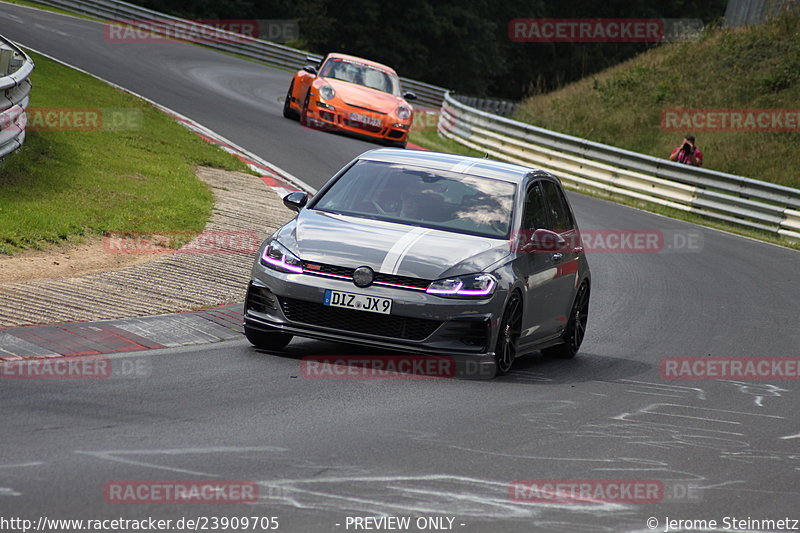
[363, 276]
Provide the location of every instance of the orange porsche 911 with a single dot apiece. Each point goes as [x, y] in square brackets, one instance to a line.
[352, 95]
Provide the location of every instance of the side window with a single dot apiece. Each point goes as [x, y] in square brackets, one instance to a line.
[534, 216]
[559, 210]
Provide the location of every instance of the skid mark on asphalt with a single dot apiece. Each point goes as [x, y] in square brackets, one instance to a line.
[120, 456]
[423, 494]
[759, 391]
[663, 389]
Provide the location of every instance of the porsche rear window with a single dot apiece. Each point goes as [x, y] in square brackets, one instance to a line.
[422, 197]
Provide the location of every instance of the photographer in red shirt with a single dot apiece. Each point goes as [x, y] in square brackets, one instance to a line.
[687, 153]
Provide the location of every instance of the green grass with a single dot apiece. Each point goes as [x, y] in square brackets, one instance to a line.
[64, 185]
[757, 67]
[433, 141]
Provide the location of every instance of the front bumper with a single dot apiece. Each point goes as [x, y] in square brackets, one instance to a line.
[419, 322]
[338, 118]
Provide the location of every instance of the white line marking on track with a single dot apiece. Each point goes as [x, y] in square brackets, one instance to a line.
[21, 465]
[113, 455]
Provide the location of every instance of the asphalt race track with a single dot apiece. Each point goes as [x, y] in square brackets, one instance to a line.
[324, 450]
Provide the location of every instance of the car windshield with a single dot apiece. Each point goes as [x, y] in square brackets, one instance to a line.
[361, 74]
[422, 197]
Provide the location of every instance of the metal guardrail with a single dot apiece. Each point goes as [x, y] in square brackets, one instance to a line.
[15, 88]
[268, 52]
[503, 108]
[747, 12]
[597, 167]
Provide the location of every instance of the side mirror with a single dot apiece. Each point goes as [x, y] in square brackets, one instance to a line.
[295, 200]
[310, 69]
[544, 240]
[409, 96]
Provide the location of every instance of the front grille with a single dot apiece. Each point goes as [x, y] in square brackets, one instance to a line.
[391, 326]
[322, 269]
[395, 134]
[260, 299]
[402, 280]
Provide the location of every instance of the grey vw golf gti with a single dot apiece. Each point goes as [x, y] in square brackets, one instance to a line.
[429, 253]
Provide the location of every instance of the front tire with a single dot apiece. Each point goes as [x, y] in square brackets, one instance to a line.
[288, 112]
[510, 329]
[267, 340]
[576, 327]
[304, 112]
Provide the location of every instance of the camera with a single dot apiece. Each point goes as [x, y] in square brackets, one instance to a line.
[686, 147]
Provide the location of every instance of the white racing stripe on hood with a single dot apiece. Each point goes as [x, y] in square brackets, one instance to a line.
[396, 254]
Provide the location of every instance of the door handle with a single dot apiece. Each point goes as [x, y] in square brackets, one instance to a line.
[557, 257]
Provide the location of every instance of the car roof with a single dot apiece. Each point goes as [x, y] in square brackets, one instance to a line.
[337, 55]
[455, 163]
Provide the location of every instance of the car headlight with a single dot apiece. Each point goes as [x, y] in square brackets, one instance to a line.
[470, 285]
[326, 92]
[403, 112]
[278, 257]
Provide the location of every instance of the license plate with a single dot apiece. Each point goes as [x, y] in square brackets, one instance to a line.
[364, 119]
[359, 302]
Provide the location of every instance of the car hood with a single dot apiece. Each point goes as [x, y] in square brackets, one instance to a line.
[353, 93]
[388, 247]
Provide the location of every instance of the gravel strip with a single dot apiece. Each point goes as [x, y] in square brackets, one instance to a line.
[211, 270]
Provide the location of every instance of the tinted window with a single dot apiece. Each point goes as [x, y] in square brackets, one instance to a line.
[559, 211]
[535, 216]
[422, 197]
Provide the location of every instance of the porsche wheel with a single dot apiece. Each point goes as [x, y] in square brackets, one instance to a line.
[304, 112]
[288, 112]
